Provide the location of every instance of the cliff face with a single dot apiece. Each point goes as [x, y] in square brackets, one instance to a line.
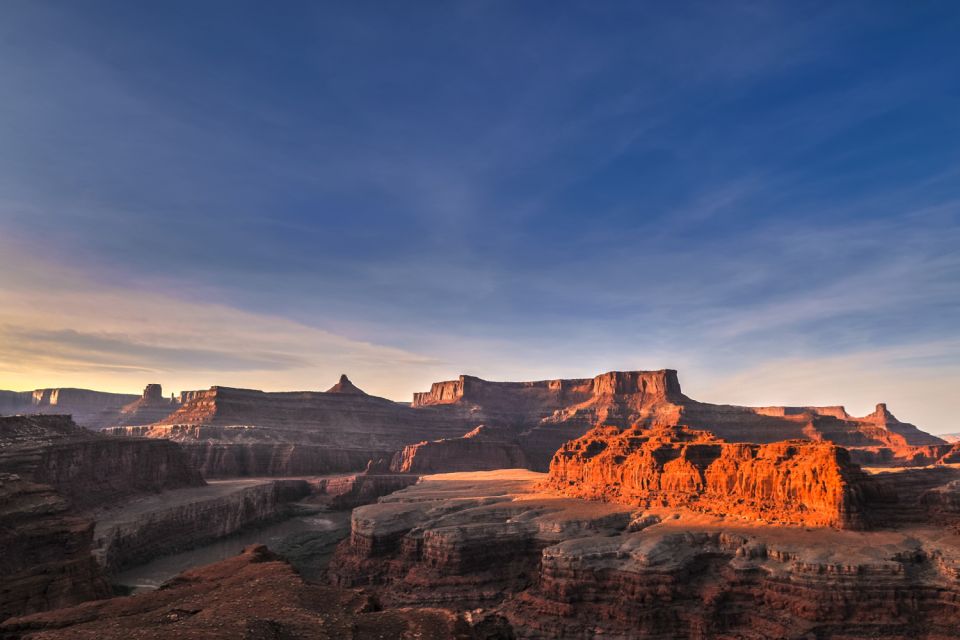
[548, 413]
[46, 560]
[86, 467]
[93, 409]
[482, 449]
[797, 482]
[52, 469]
[145, 529]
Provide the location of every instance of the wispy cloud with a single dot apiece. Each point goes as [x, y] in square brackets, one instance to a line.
[58, 327]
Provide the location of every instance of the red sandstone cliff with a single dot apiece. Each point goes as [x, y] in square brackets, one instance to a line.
[547, 413]
[796, 482]
[555, 567]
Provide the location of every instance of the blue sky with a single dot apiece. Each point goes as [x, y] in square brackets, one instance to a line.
[763, 195]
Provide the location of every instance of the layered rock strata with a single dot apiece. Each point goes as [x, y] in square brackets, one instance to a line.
[52, 470]
[46, 559]
[554, 567]
[148, 527]
[795, 482]
[246, 432]
[349, 491]
[254, 595]
[484, 448]
[86, 467]
[240, 432]
[93, 409]
[545, 414]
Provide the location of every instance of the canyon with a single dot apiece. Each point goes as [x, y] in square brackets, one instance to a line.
[544, 565]
[51, 472]
[611, 506]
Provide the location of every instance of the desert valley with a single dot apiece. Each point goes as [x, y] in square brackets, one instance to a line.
[612, 506]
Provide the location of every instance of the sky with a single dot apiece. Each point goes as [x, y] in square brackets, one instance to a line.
[762, 195]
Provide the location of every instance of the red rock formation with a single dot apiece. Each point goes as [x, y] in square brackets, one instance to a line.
[347, 492]
[46, 559]
[87, 467]
[149, 408]
[567, 568]
[229, 432]
[482, 449]
[345, 386]
[255, 596]
[239, 431]
[548, 413]
[796, 482]
[51, 469]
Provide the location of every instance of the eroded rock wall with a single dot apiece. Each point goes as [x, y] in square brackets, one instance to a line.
[53, 472]
[139, 534]
[482, 449]
[797, 482]
[45, 550]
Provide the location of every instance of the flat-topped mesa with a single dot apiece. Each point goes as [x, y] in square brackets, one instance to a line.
[346, 387]
[652, 385]
[797, 482]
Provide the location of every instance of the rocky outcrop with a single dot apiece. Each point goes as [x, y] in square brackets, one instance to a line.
[553, 567]
[710, 584]
[255, 595]
[149, 408]
[482, 449]
[53, 470]
[345, 386]
[795, 482]
[93, 409]
[349, 491]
